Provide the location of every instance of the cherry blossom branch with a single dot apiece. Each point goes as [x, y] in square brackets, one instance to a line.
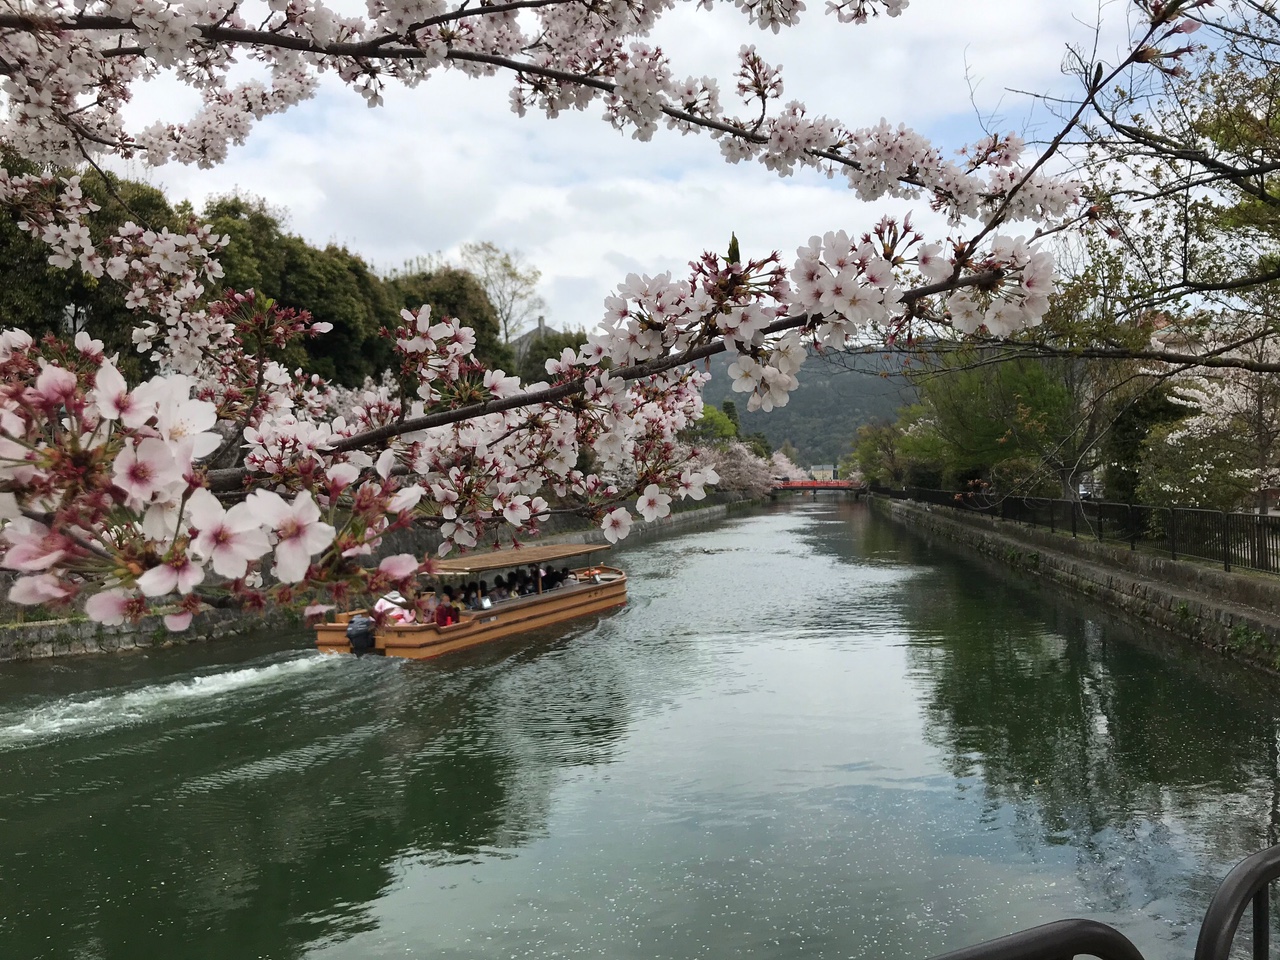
[229, 479]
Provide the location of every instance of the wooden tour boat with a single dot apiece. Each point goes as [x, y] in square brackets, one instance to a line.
[588, 590]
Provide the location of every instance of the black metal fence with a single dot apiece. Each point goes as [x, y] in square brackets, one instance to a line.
[1246, 540]
[1247, 886]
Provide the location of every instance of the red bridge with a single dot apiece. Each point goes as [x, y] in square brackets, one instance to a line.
[813, 486]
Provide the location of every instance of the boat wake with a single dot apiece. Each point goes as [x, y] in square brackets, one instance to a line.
[144, 704]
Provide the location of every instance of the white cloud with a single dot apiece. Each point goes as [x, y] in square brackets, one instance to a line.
[449, 162]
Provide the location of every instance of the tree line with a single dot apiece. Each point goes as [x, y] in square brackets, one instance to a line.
[493, 291]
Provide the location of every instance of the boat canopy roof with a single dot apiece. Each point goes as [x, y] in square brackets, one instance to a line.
[517, 557]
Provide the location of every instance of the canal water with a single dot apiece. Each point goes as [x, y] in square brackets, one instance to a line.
[809, 734]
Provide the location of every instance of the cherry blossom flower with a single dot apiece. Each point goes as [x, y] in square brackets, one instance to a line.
[177, 622]
[40, 588]
[299, 531]
[54, 387]
[653, 503]
[110, 607]
[341, 476]
[179, 417]
[405, 498]
[146, 470]
[399, 566]
[229, 538]
[616, 525]
[177, 573]
[32, 546]
[515, 510]
[110, 393]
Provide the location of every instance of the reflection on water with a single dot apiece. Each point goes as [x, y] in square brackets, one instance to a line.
[808, 734]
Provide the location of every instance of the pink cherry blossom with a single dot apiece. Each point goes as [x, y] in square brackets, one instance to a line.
[405, 499]
[341, 476]
[180, 418]
[33, 546]
[110, 607]
[515, 510]
[146, 470]
[299, 531]
[616, 525]
[386, 460]
[653, 503]
[230, 538]
[54, 386]
[177, 573]
[40, 588]
[111, 393]
[399, 566]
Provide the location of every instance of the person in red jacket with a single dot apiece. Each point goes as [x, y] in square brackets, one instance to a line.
[446, 612]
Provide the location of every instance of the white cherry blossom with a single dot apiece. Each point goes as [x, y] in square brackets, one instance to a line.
[653, 503]
[616, 525]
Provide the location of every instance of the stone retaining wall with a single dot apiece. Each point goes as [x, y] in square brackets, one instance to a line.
[61, 638]
[1237, 614]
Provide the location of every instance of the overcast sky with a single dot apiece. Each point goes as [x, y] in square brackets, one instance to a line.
[450, 163]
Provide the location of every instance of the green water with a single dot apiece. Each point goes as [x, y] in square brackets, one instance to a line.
[808, 735]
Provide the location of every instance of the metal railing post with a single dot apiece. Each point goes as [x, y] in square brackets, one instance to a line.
[1133, 529]
[1226, 543]
[1173, 533]
[1075, 505]
[1261, 923]
[1248, 882]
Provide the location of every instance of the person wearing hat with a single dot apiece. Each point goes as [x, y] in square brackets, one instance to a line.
[394, 607]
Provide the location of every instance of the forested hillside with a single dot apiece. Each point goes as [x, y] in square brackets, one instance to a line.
[332, 284]
[835, 397]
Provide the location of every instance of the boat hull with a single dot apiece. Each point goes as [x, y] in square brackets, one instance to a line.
[507, 618]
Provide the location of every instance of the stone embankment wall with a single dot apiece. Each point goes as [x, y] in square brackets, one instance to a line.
[58, 638]
[1237, 614]
[62, 638]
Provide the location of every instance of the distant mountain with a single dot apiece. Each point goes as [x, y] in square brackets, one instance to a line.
[838, 393]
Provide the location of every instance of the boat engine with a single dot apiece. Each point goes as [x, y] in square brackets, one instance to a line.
[360, 634]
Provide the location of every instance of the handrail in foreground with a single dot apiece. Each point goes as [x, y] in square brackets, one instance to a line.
[1060, 940]
[1249, 882]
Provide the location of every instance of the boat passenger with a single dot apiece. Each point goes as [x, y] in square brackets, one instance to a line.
[446, 612]
[499, 591]
[429, 607]
[395, 607]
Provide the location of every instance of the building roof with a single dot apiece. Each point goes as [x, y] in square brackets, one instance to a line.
[521, 344]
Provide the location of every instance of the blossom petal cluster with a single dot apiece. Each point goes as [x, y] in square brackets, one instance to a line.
[228, 477]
